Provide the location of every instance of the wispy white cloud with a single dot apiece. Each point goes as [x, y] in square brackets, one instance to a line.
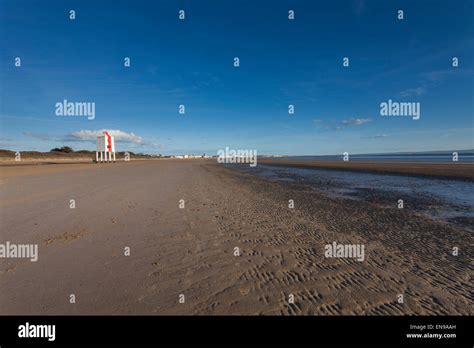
[40, 136]
[438, 75]
[132, 139]
[86, 135]
[376, 136]
[433, 78]
[339, 125]
[355, 122]
[118, 134]
[359, 7]
[413, 92]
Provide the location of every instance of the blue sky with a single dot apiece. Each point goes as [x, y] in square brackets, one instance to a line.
[282, 62]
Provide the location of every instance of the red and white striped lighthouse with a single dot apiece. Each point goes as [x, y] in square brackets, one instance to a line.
[105, 148]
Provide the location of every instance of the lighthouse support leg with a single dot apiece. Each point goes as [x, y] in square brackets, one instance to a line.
[96, 157]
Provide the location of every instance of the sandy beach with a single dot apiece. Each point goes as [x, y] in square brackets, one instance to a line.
[191, 251]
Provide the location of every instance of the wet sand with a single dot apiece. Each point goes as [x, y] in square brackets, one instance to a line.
[452, 170]
[190, 251]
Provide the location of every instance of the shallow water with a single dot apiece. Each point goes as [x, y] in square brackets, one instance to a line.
[448, 157]
[442, 198]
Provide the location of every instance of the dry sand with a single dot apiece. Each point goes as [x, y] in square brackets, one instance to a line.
[190, 251]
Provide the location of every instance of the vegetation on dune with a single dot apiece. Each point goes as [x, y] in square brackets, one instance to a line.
[65, 149]
[68, 152]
